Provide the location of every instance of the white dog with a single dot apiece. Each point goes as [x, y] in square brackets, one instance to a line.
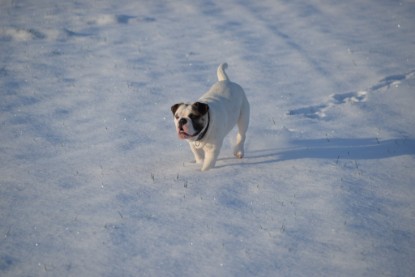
[205, 123]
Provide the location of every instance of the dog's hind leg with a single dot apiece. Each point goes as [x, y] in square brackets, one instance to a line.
[242, 123]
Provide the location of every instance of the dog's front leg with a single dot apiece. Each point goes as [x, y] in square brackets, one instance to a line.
[211, 155]
[197, 152]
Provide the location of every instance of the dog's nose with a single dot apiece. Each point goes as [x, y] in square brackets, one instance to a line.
[182, 121]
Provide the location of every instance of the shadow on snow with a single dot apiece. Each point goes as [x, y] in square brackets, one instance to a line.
[333, 149]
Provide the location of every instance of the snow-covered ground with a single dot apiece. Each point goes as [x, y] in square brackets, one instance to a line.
[95, 182]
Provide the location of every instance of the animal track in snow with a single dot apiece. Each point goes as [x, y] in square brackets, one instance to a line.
[28, 34]
[105, 19]
[21, 34]
[319, 111]
[349, 97]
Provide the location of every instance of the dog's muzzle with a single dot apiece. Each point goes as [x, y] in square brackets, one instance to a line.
[182, 132]
[182, 122]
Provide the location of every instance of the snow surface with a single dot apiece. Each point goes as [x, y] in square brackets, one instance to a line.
[94, 181]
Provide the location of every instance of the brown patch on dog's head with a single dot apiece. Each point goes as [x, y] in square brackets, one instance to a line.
[200, 108]
[175, 107]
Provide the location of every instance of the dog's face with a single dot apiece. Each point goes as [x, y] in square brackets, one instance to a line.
[190, 119]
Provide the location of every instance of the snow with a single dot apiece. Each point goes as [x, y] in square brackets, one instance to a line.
[94, 181]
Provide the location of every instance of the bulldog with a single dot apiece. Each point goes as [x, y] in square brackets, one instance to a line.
[206, 122]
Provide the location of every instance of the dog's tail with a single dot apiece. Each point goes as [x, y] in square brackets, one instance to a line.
[221, 72]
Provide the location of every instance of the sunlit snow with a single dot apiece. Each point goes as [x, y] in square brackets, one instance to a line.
[95, 182]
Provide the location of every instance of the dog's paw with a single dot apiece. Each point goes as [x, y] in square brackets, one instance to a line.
[198, 161]
[205, 168]
[239, 154]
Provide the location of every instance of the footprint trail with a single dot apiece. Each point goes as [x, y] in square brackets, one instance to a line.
[319, 111]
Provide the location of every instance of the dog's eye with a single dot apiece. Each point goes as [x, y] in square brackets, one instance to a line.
[192, 116]
[176, 116]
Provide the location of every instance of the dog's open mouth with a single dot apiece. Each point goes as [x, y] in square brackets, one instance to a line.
[183, 135]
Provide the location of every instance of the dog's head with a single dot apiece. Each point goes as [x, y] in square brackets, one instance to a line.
[190, 119]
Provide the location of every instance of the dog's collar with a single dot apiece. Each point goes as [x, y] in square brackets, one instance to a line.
[202, 133]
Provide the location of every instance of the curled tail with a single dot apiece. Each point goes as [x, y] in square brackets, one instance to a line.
[221, 72]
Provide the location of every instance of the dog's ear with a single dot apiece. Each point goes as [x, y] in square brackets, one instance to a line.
[175, 107]
[201, 108]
